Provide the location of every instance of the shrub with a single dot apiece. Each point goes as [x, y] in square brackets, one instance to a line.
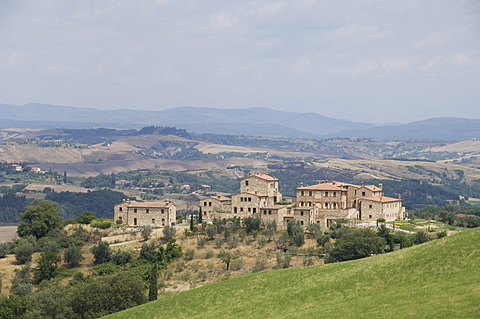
[168, 232]
[307, 261]
[209, 254]
[260, 265]
[202, 275]
[233, 241]
[218, 242]
[283, 261]
[73, 255]
[122, 257]
[189, 254]
[24, 251]
[201, 242]
[211, 231]
[105, 269]
[101, 252]
[262, 241]
[146, 232]
[21, 283]
[237, 264]
[4, 248]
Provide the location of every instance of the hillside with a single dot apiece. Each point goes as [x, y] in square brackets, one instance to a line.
[434, 280]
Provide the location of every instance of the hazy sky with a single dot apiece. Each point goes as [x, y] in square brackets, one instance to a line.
[362, 60]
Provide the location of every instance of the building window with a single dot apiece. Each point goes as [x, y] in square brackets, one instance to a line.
[310, 193]
[326, 194]
[234, 210]
[334, 205]
[209, 203]
[301, 222]
[249, 199]
[134, 210]
[302, 193]
[120, 209]
[153, 220]
[204, 203]
[246, 183]
[363, 193]
[301, 213]
[326, 205]
[249, 209]
[119, 217]
[163, 222]
[370, 206]
[134, 222]
[369, 216]
[147, 210]
[334, 194]
[254, 210]
[241, 209]
[269, 212]
[264, 212]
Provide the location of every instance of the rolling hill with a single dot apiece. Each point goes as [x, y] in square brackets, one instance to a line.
[439, 279]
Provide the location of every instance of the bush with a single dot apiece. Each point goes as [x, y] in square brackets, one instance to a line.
[4, 248]
[24, 251]
[73, 255]
[237, 264]
[21, 283]
[146, 232]
[260, 265]
[122, 257]
[201, 242]
[101, 223]
[189, 254]
[101, 252]
[169, 232]
[283, 261]
[105, 269]
[209, 254]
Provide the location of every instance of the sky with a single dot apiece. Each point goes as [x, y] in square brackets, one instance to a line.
[371, 61]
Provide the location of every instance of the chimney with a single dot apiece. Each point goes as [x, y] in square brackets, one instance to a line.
[399, 196]
[361, 184]
[318, 182]
[301, 184]
[380, 186]
[326, 181]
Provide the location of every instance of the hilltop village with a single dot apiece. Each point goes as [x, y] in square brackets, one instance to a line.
[323, 203]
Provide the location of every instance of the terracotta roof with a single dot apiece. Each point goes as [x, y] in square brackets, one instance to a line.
[135, 204]
[373, 188]
[218, 197]
[262, 176]
[322, 187]
[274, 207]
[382, 199]
[252, 193]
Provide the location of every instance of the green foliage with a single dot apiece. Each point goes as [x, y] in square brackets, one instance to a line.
[168, 232]
[14, 306]
[100, 202]
[251, 224]
[101, 223]
[21, 283]
[211, 231]
[357, 244]
[24, 251]
[11, 206]
[4, 249]
[46, 266]
[146, 232]
[189, 254]
[122, 257]
[86, 217]
[420, 237]
[40, 219]
[106, 268]
[283, 261]
[101, 252]
[314, 229]
[225, 257]
[153, 284]
[296, 232]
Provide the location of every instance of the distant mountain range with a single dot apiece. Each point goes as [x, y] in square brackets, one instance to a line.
[249, 122]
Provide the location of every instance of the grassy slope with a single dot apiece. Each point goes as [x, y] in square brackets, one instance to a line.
[440, 279]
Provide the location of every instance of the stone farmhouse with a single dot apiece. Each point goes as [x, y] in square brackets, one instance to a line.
[153, 214]
[322, 203]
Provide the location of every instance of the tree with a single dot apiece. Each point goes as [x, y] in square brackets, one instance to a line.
[200, 216]
[191, 222]
[168, 232]
[86, 217]
[41, 218]
[47, 265]
[4, 248]
[211, 231]
[73, 255]
[251, 224]
[146, 232]
[24, 251]
[225, 257]
[21, 283]
[357, 244]
[447, 217]
[295, 230]
[153, 283]
[101, 252]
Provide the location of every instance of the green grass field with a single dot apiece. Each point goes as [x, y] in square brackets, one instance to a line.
[439, 279]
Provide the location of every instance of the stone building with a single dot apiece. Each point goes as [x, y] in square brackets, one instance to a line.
[154, 214]
[277, 213]
[336, 200]
[216, 207]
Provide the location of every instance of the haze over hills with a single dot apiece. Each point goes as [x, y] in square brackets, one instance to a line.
[249, 121]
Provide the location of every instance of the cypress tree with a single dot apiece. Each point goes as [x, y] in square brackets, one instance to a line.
[200, 219]
[191, 222]
[153, 284]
